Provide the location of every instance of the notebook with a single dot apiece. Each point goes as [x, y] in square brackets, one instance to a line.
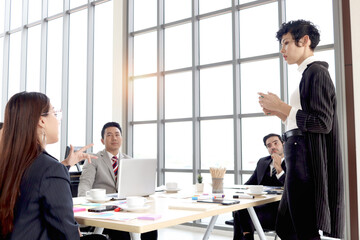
[136, 177]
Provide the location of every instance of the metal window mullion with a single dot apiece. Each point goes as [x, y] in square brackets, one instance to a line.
[24, 39]
[65, 78]
[7, 15]
[120, 46]
[43, 53]
[236, 91]
[160, 95]
[130, 80]
[6, 52]
[196, 89]
[5, 74]
[283, 66]
[90, 74]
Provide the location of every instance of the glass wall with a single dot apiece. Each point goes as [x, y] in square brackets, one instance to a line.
[195, 68]
[64, 49]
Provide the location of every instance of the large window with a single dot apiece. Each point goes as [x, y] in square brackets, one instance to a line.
[64, 49]
[195, 68]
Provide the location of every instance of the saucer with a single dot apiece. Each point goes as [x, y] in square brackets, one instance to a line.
[135, 209]
[256, 194]
[172, 190]
[99, 200]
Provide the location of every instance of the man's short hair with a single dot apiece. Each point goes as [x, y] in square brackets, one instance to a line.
[299, 29]
[110, 124]
[271, 135]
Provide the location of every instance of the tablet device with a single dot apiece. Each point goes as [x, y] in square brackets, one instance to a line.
[220, 201]
[103, 208]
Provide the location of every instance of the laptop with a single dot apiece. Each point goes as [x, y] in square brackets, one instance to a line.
[136, 177]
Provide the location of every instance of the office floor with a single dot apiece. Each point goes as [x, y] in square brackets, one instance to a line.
[194, 233]
[182, 232]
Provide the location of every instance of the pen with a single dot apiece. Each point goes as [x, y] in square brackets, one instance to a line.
[218, 195]
[243, 196]
[201, 198]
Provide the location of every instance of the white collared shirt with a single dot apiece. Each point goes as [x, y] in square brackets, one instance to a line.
[290, 122]
[278, 175]
[111, 155]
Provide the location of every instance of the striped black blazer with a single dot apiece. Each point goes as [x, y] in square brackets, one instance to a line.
[319, 120]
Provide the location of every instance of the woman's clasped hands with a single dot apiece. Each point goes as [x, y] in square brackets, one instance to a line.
[271, 104]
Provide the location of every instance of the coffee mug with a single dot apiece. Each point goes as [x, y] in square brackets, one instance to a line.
[256, 189]
[171, 185]
[135, 202]
[96, 193]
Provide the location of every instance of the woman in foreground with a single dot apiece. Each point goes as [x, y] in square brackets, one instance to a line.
[35, 195]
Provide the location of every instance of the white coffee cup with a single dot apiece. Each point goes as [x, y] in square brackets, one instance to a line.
[96, 193]
[171, 185]
[135, 202]
[256, 189]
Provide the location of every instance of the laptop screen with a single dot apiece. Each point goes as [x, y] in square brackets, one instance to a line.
[136, 177]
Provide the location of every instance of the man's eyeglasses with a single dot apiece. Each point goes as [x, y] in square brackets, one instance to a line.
[57, 114]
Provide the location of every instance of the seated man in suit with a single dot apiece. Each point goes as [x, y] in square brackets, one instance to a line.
[102, 172]
[270, 171]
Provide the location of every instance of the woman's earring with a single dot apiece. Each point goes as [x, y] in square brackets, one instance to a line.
[43, 138]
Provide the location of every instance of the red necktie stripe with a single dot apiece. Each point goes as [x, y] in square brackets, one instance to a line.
[115, 165]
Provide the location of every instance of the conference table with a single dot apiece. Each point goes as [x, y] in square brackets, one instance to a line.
[166, 210]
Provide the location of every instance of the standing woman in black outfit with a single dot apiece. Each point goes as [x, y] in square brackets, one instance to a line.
[313, 199]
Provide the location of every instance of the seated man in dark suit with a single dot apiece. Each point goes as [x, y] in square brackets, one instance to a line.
[270, 171]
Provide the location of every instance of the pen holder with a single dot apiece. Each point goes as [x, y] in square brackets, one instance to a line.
[217, 185]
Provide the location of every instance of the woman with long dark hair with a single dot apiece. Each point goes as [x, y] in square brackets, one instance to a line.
[35, 195]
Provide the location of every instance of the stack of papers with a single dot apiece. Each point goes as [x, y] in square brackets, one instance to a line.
[180, 195]
[119, 216]
[193, 206]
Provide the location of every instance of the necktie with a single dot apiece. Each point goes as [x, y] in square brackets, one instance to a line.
[115, 165]
[273, 173]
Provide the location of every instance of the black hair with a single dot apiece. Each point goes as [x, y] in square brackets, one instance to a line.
[110, 124]
[299, 29]
[271, 135]
[1, 125]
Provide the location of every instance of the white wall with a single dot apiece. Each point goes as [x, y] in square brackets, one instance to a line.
[355, 40]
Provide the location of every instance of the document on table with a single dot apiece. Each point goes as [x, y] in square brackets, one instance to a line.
[192, 206]
[181, 195]
[120, 216]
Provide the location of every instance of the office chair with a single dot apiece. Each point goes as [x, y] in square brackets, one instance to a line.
[74, 175]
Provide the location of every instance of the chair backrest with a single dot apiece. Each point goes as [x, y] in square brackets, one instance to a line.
[74, 182]
[74, 175]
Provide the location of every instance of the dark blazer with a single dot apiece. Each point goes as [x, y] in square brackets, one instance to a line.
[267, 212]
[257, 178]
[44, 209]
[318, 119]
